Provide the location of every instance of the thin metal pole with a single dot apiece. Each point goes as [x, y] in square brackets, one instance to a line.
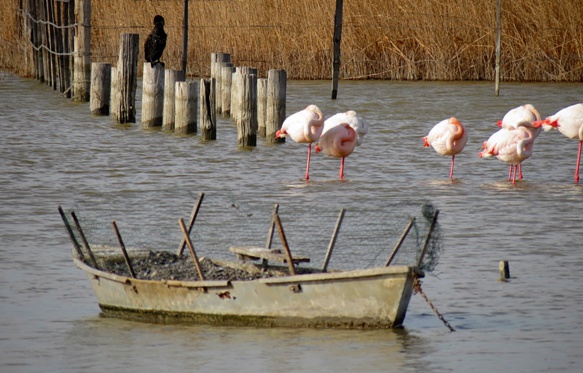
[191, 248]
[76, 245]
[290, 262]
[401, 240]
[184, 38]
[271, 228]
[498, 47]
[123, 250]
[433, 222]
[84, 239]
[193, 216]
[333, 240]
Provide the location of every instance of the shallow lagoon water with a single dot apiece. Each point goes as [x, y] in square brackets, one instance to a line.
[53, 152]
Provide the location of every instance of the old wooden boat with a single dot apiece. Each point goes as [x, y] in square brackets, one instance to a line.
[366, 298]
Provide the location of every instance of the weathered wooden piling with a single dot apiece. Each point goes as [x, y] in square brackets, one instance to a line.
[82, 60]
[237, 94]
[127, 78]
[246, 118]
[275, 110]
[208, 119]
[186, 107]
[100, 88]
[261, 106]
[504, 268]
[114, 95]
[152, 95]
[226, 80]
[217, 61]
[170, 79]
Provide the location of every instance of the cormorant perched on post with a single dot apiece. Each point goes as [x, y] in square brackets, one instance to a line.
[156, 42]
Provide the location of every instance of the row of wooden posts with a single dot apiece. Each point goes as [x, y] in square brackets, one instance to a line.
[256, 105]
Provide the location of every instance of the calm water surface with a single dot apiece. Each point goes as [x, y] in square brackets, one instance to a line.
[53, 152]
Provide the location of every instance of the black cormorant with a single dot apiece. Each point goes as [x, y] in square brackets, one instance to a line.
[156, 42]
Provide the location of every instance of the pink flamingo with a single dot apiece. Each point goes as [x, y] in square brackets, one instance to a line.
[522, 114]
[305, 126]
[350, 117]
[338, 141]
[512, 146]
[569, 121]
[448, 137]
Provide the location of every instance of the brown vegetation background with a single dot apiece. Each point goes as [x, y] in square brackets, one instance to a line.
[542, 40]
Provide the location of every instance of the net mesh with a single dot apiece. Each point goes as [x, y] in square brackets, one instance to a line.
[366, 238]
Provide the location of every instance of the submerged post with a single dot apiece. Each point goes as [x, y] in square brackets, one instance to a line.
[100, 88]
[152, 95]
[247, 118]
[261, 106]
[504, 270]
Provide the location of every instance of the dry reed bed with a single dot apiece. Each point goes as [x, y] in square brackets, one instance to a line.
[382, 39]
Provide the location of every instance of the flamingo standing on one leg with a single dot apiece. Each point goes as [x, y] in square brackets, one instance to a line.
[569, 121]
[448, 137]
[512, 146]
[522, 114]
[305, 126]
[351, 118]
[338, 141]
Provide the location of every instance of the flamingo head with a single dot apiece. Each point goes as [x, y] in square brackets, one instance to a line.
[280, 133]
[500, 123]
[547, 124]
[425, 142]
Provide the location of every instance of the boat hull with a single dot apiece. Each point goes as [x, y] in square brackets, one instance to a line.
[370, 299]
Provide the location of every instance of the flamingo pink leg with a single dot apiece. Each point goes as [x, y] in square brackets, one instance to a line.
[519, 171]
[514, 174]
[578, 162]
[510, 168]
[342, 169]
[451, 168]
[308, 162]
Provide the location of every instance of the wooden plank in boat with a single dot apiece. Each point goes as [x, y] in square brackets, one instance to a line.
[255, 253]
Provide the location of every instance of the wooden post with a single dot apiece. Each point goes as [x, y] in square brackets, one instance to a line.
[271, 228]
[336, 40]
[186, 107]
[275, 110]
[193, 216]
[82, 70]
[114, 95]
[333, 240]
[400, 242]
[84, 239]
[191, 248]
[247, 119]
[290, 261]
[498, 47]
[123, 250]
[261, 106]
[74, 241]
[100, 88]
[152, 95]
[208, 119]
[504, 270]
[170, 79]
[184, 39]
[227, 79]
[127, 78]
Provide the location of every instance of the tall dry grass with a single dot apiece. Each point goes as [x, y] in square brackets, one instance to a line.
[382, 39]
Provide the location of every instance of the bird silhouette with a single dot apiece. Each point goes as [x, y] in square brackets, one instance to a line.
[156, 42]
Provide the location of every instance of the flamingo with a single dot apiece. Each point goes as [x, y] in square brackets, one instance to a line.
[338, 141]
[447, 137]
[522, 114]
[512, 146]
[350, 117]
[305, 126]
[569, 121]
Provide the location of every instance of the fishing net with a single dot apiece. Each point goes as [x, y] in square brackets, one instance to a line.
[367, 235]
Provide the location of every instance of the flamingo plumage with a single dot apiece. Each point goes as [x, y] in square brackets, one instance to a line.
[305, 126]
[448, 137]
[338, 141]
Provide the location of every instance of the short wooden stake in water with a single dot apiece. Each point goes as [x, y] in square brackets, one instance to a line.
[261, 106]
[100, 88]
[290, 261]
[186, 107]
[123, 251]
[170, 79]
[193, 216]
[504, 270]
[208, 118]
[191, 248]
[275, 110]
[400, 242]
[247, 118]
[127, 78]
[333, 241]
[84, 239]
[152, 95]
[76, 245]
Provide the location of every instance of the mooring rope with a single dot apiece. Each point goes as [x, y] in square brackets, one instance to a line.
[417, 288]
